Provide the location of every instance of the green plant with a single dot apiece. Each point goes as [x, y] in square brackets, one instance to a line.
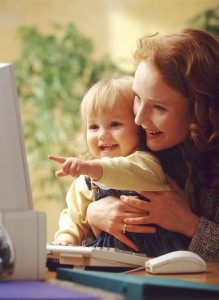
[52, 74]
[207, 20]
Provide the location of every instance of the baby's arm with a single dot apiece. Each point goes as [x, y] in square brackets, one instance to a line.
[73, 224]
[76, 167]
[140, 171]
[68, 233]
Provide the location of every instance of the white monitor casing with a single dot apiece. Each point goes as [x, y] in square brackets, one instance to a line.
[14, 176]
[25, 226]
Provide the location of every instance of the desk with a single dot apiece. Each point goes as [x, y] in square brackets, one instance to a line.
[140, 283]
[211, 276]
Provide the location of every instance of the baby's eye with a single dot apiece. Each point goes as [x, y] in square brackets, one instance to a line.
[93, 127]
[115, 124]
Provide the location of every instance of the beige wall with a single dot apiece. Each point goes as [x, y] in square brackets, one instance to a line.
[113, 25]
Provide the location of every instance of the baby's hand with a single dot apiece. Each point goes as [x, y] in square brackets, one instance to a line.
[76, 167]
[70, 166]
[61, 242]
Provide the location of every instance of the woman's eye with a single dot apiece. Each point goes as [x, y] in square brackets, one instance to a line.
[158, 107]
[137, 98]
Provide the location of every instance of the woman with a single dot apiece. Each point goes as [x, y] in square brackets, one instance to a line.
[176, 89]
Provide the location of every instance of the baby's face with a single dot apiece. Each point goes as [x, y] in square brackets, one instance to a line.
[112, 134]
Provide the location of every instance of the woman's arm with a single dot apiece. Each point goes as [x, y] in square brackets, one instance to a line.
[169, 210]
[206, 238]
[205, 241]
[108, 214]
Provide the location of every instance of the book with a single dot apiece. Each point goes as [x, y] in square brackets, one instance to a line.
[40, 290]
[141, 287]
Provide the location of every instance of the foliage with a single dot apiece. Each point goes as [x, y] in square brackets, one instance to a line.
[207, 20]
[52, 74]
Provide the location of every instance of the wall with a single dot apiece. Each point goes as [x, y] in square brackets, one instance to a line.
[113, 25]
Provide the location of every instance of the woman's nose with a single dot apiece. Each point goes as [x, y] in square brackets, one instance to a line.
[137, 119]
[142, 116]
[139, 116]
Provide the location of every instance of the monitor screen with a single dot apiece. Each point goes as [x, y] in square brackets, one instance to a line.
[15, 192]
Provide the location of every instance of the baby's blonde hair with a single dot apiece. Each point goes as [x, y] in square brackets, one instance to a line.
[106, 96]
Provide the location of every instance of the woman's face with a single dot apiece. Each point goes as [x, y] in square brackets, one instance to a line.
[163, 112]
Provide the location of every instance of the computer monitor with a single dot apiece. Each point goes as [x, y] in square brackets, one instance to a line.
[25, 226]
[15, 191]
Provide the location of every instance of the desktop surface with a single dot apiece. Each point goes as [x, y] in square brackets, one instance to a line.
[139, 285]
[143, 285]
[211, 276]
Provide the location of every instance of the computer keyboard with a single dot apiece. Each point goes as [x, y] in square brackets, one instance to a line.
[80, 256]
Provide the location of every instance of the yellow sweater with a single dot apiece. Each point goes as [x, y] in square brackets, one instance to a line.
[140, 171]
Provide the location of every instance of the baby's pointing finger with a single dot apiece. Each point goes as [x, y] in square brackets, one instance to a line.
[58, 159]
[59, 173]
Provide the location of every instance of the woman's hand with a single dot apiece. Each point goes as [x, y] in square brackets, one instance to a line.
[169, 210]
[108, 215]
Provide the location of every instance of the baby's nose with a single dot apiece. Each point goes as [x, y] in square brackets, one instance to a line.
[104, 134]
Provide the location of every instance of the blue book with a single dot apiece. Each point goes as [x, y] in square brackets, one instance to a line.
[37, 290]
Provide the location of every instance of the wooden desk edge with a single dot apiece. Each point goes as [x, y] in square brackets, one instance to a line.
[211, 276]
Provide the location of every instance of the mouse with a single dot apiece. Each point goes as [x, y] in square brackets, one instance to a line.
[180, 261]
